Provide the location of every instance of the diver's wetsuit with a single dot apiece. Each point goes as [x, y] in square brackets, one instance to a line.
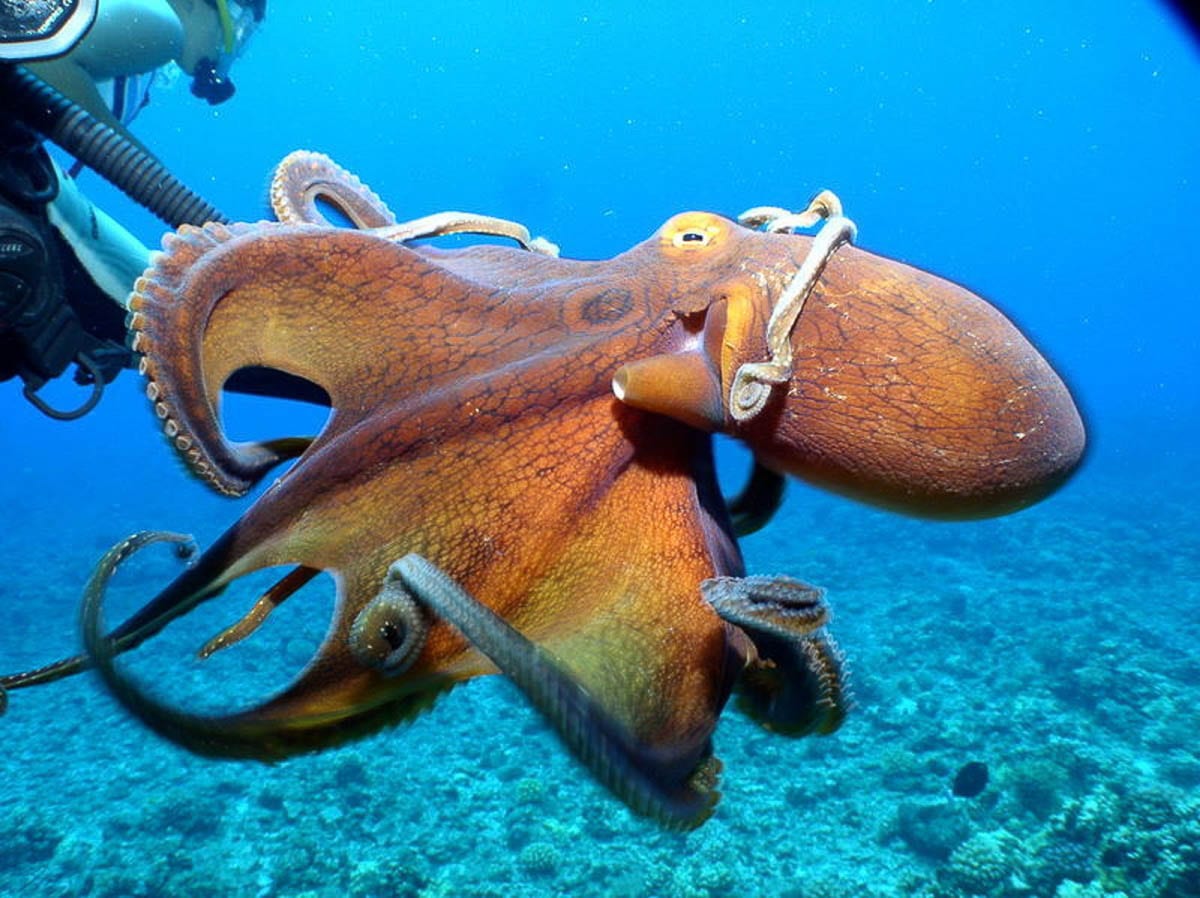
[52, 314]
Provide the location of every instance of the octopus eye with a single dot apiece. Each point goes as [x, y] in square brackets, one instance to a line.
[392, 634]
[389, 632]
[692, 237]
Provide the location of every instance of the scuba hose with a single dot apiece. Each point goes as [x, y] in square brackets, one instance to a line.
[128, 167]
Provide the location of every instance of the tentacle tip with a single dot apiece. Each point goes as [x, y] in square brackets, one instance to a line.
[679, 805]
[704, 782]
[784, 607]
[187, 549]
[544, 247]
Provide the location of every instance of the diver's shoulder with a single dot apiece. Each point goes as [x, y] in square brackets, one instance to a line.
[130, 37]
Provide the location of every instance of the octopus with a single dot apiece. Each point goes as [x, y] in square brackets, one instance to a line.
[517, 471]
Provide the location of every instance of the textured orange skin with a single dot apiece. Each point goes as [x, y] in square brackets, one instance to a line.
[474, 423]
[910, 392]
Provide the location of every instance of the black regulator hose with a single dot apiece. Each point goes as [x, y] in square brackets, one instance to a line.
[127, 166]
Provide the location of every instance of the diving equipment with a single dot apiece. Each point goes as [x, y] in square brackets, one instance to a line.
[210, 85]
[134, 171]
[40, 333]
[53, 311]
[210, 77]
[44, 29]
[63, 262]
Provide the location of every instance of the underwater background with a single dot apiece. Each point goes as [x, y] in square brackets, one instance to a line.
[1045, 155]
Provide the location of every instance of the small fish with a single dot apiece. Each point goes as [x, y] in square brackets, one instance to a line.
[971, 779]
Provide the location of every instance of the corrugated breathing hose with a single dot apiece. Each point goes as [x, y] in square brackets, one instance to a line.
[110, 154]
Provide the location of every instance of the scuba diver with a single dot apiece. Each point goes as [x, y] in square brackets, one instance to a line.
[75, 73]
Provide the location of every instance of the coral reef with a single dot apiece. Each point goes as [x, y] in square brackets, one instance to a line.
[539, 858]
[933, 829]
[985, 864]
[27, 837]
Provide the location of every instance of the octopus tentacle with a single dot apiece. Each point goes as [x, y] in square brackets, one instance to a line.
[164, 318]
[303, 177]
[186, 729]
[678, 792]
[777, 220]
[782, 606]
[752, 508]
[795, 686]
[753, 382]
[258, 613]
[388, 634]
[47, 673]
[798, 689]
[443, 223]
[127, 636]
[243, 735]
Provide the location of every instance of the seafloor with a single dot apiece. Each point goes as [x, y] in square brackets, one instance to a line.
[1061, 646]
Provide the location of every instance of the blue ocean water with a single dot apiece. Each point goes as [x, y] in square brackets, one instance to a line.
[1046, 156]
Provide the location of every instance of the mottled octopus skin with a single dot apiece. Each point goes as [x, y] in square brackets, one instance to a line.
[910, 392]
[474, 423]
[514, 469]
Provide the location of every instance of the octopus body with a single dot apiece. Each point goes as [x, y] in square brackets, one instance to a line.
[517, 471]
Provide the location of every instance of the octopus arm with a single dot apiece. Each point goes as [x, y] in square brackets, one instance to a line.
[322, 305]
[675, 786]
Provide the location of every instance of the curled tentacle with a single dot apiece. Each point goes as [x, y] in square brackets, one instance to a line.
[795, 686]
[260, 732]
[799, 687]
[777, 220]
[101, 651]
[168, 306]
[236, 736]
[129, 635]
[389, 632]
[753, 383]
[304, 177]
[756, 504]
[95, 643]
[680, 792]
[782, 606]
